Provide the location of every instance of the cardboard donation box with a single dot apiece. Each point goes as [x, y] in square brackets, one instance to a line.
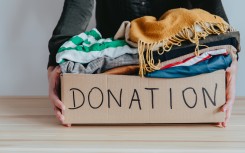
[117, 99]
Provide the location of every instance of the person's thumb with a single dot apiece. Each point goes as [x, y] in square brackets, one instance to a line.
[58, 69]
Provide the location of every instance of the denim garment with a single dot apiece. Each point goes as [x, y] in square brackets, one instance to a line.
[213, 64]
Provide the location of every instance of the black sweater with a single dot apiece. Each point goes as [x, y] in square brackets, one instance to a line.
[111, 13]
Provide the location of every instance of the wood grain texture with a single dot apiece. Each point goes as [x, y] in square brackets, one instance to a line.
[27, 124]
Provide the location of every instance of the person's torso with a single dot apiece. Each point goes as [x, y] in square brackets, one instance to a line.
[111, 13]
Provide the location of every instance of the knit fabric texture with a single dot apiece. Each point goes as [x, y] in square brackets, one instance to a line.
[173, 27]
[90, 45]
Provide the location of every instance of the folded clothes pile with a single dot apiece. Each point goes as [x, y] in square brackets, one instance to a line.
[181, 43]
[89, 53]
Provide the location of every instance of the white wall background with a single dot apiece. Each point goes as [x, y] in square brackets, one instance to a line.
[25, 28]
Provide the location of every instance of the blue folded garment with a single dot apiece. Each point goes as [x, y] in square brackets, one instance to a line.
[210, 65]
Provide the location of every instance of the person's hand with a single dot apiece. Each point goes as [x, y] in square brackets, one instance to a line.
[231, 74]
[54, 81]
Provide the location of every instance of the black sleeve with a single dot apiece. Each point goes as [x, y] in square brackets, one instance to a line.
[212, 6]
[74, 19]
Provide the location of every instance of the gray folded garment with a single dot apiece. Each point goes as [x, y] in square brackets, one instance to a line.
[99, 65]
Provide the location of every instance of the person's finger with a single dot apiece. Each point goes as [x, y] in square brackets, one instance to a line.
[54, 74]
[60, 117]
[227, 109]
[58, 69]
[226, 106]
[55, 80]
[227, 118]
[56, 101]
[53, 77]
[219, 124]
[66, 125]
[58, 114]
[51, 68]
[53, 84]
[230, 93]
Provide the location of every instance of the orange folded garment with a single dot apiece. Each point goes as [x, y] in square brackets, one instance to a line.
[124, 70]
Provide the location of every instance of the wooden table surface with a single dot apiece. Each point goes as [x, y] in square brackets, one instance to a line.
[27, 124]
